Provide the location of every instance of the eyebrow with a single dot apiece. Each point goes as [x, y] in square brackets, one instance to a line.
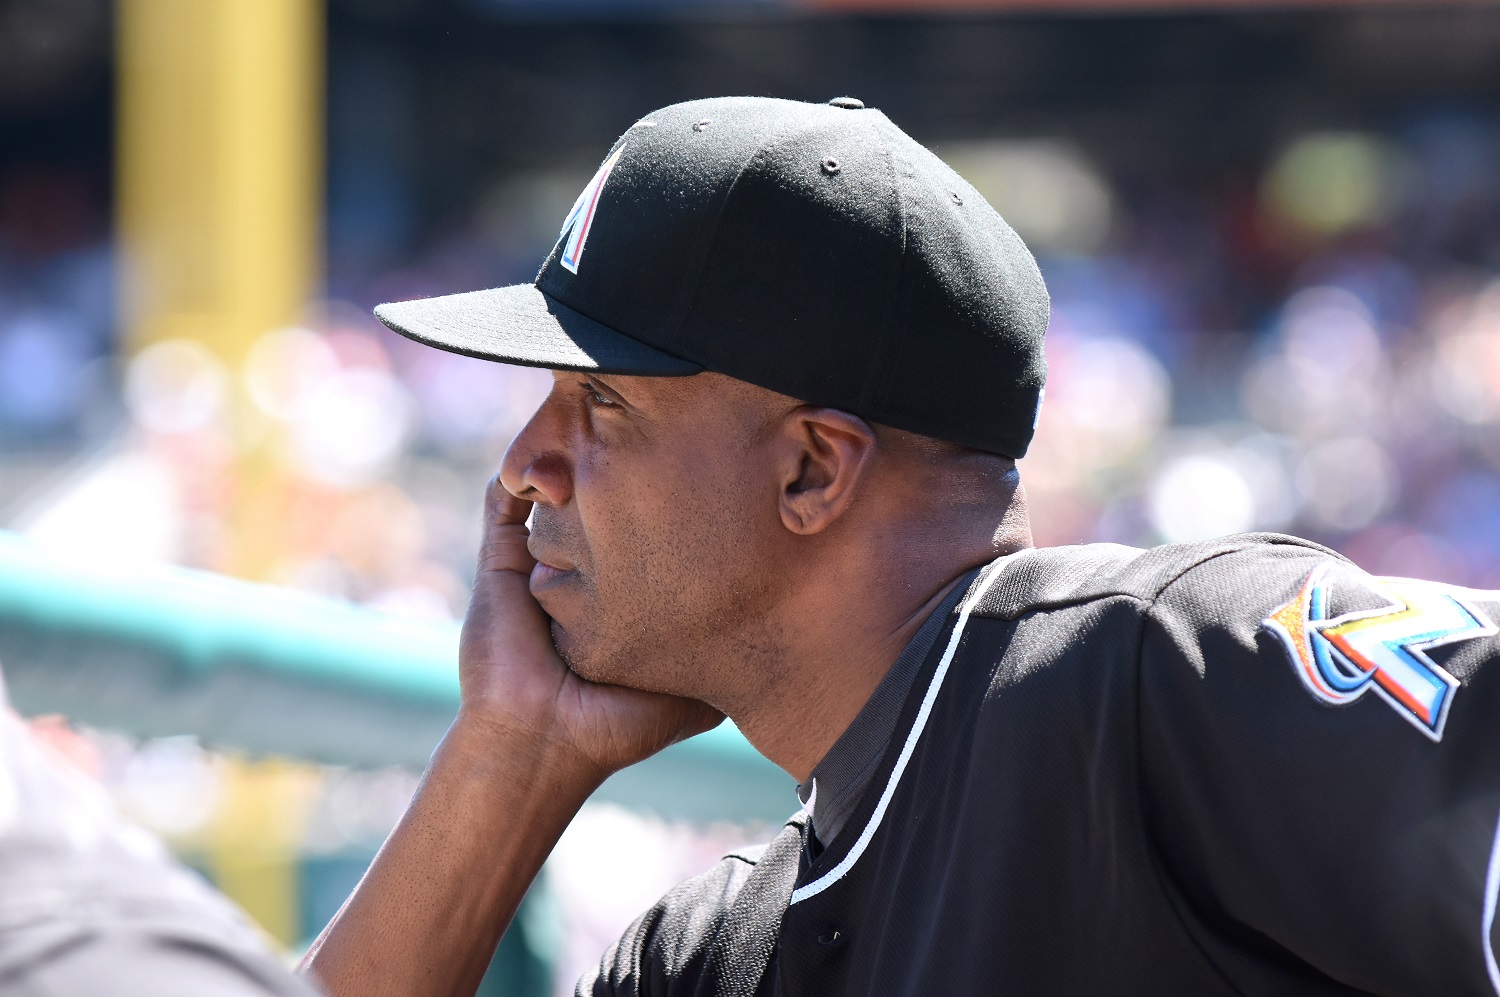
[613, 388]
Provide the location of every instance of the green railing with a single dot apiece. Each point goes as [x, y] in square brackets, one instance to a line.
[157, 651]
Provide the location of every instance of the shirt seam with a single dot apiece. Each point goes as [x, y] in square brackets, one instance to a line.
[880, 373]
[936, 685]
[711, 238]
[873, 764]
[1163, 876]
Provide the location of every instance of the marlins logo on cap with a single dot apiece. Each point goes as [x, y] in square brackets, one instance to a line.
[576, 226]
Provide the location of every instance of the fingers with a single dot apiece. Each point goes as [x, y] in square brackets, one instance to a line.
[501, 507]
[698, 717]
[616, 726]
[503, 547]
[504, 624]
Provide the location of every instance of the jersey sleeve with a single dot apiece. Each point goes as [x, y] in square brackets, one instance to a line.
[1320, 760]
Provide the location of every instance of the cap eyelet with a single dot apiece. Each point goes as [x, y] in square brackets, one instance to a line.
[831, 166]
[699, 126]
[956, 199]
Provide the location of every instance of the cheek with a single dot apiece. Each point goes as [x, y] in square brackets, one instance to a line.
[680, 560]
[662, 544]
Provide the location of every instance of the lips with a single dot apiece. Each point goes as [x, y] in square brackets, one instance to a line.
[544, 574]
[551, 565]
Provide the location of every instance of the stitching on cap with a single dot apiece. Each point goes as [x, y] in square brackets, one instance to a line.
[711, 241]
[879, 378]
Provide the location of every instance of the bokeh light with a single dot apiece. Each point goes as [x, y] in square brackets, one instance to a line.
[176, 386]
[1049, 191]
[1328, 182]
[1199, 497]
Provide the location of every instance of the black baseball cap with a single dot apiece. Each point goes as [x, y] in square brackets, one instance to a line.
[813, 249]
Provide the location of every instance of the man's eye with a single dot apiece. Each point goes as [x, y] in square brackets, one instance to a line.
[595, 396]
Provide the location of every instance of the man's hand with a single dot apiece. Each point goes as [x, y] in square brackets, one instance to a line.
[516, 687]
[531, 742]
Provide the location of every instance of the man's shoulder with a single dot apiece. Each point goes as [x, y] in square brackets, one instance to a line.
[671, 947]
[689, 912]
[1052, 577]
[669, 944]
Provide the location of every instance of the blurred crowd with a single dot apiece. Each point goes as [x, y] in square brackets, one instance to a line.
[1317, 353]
[1315, 349]
[349, 460]
[1310, 346]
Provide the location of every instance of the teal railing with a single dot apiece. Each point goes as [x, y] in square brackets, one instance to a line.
[157, 651]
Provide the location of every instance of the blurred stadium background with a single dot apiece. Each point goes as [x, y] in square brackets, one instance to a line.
[1271, 230]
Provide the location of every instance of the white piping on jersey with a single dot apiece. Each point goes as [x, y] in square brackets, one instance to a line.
[839, 871]
[1491, 889]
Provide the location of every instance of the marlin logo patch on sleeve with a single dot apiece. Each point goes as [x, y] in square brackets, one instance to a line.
[575, 230]
[1384, 649]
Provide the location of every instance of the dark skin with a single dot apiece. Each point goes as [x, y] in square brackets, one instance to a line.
[699, 547]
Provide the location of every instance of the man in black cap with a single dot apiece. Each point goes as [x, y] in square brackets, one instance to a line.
[795, 360]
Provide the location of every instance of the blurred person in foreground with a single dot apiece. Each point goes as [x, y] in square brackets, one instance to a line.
[91, 905]
[796, 358]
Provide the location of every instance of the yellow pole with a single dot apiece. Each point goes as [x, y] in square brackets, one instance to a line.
[219, 167]
[219, 153]
[219, 190]
[254, 840]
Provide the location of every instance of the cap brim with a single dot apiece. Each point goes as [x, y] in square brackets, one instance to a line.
[521, 325]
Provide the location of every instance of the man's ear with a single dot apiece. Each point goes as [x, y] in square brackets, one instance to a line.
[828, 453]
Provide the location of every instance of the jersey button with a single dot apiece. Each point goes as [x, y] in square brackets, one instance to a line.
[848, 103]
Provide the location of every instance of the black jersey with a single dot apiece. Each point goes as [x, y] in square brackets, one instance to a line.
[1237, 767]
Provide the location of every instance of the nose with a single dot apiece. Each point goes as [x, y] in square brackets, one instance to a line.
[536, 465]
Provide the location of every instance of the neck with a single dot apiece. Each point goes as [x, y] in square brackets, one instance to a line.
[840, 634]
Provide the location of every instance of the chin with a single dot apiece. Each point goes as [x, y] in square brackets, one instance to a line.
[589, 661]
[576, 654]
